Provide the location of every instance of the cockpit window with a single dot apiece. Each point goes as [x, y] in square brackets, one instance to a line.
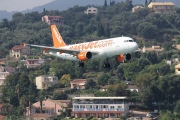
[128, 41]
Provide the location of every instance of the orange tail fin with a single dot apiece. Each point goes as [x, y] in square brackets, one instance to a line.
[56, 36]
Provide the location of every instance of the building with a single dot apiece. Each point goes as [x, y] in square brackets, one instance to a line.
[49, 107]
[157, 49]
[100, 107]
[4, 72]
[136, 8]
[5, 108]
[162, 7]
[33, 63]
[177, 69]
[44, 81]
[78, 83]
[58, 20]
[19, 50]
[104, 88]
[132, 88]
[91, 10]
[39, 116]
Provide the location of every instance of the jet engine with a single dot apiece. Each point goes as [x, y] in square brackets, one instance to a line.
[83, 56]
[124, 58]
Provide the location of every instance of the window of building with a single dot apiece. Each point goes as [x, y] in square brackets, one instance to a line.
[111, 107]
[43, 105]
[59, 110]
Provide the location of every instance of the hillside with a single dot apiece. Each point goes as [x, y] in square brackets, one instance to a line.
[65, 4]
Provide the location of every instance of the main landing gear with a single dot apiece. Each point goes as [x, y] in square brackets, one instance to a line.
[106, 65]
[81, 64]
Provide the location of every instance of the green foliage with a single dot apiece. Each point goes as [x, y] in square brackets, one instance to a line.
[117, 89]
[90, 84]
[177, 108]
[59, 96]
[103, 79]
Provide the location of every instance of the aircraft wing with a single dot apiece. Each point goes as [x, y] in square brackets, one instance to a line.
[60, 48]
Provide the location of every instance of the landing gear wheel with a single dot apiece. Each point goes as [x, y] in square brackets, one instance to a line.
[81, 64]
[106, 65]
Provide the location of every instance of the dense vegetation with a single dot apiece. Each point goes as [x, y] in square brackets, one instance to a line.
[155, 79]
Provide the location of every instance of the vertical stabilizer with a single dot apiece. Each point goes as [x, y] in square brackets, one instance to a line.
[56, 36]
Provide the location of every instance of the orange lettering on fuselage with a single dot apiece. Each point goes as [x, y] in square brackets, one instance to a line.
[92, 45]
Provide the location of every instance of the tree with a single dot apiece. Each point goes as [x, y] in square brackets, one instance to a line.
[146, 3]
[117, 89]
[177, 108]
[143, 82]
[150, 1]
[59, 96]
[105, 3]
[65, 79]
[100, 30]
[147, 30]
[107, 31]
[90, 84]
[24, 83]
[103, 79]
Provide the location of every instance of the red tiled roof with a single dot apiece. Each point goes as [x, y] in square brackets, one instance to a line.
[17, 47]
[1, 117]
[78, 80]
[54, 16]
[1, 105]
[40, 115]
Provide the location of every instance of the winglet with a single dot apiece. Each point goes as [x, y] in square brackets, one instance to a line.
[56, 36]
[24, 44]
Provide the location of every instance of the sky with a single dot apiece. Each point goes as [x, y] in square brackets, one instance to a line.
[19, 5]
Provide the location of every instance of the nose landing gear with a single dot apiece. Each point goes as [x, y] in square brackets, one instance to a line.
[107, 65]
[81, 64]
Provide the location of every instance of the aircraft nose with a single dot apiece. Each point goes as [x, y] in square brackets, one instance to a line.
[135, 45]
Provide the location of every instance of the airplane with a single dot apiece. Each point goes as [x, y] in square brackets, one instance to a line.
[122, 47]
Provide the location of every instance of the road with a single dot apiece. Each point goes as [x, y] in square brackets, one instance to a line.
[140, 114]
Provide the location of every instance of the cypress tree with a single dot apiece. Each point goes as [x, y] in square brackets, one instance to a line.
[105, 3]
[146, 2]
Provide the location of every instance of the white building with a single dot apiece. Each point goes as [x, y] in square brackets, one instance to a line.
[91, 10]
[4, 72]
[44, 81]
[106, 107]
[136, 8]
[162, 7]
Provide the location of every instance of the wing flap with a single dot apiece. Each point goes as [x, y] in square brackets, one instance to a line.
[59, 49]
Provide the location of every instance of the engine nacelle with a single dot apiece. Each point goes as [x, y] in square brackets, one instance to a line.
[124, 58]
[83, 56]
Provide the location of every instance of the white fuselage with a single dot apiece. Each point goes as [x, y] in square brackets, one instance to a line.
[105, 48]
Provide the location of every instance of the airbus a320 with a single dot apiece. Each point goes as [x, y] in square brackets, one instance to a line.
[121, 47]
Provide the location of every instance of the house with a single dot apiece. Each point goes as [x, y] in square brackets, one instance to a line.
[177, 69]
[104, 88]
[157, 49]
[40, 116]
[33, 63]
[5, 108]
[136, 8]
[91, 10]
[19, 50]
[44, 81]
[49, 107]
[2, 117]
[78, 83]
[58, 20]
[100, 107]
[132, 88]
[4, 72]
[162, 7]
